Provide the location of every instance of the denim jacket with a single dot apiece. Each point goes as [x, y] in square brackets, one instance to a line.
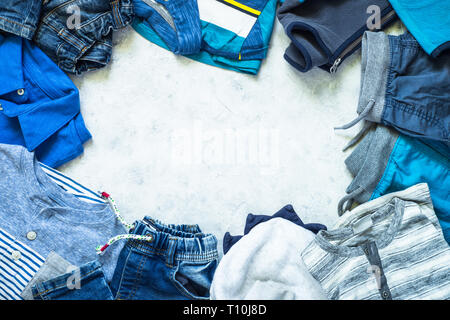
[20, 17]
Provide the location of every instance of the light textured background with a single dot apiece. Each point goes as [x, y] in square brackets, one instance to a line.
[165, 129]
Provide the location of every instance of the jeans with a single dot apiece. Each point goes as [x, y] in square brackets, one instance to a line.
[20, 17]
[178, 264]
[84, 283]
[77, 34]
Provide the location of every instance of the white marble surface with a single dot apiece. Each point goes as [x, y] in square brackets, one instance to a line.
[167, 130]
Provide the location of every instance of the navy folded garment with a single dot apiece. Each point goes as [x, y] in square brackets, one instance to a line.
[287, 212]
[324, 33]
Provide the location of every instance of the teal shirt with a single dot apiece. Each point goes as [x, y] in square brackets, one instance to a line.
[428, 21]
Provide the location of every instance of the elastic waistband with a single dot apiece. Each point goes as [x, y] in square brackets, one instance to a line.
[184, 242]
[375, 62]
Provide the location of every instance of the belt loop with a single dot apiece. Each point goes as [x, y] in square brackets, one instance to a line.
[171, 250]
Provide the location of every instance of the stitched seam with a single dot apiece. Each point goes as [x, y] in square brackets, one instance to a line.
[17, 23]
[60, 33]
[64, 35]
[180, 288]
[57, 8]
[179, 256]
[138, 277]
[416, 111]
[99, 16]
[122, 275]
[62, 286]
[114, 12]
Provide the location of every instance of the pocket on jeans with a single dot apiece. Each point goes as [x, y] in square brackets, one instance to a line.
[193, 279]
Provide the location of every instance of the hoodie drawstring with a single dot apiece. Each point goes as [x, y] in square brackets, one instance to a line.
[128, 226]
[366, 127]
[348, 200]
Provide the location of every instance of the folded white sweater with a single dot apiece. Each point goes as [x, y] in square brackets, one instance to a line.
[266, 264]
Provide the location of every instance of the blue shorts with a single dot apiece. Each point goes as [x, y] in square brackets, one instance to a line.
[403, 87]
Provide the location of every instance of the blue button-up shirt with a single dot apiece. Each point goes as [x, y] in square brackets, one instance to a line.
[39, 104]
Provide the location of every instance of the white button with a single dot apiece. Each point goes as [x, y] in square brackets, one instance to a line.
[16, 255]
[1, 108]
[20, 92]
[31, 235]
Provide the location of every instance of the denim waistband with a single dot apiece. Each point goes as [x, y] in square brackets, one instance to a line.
[183, 242]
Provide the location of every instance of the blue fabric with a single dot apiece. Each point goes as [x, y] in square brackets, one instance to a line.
[428, 21]
[412, 162]
[206, 42]
[186, 37]
[31, 201]
[88, 45]
[244, 66]
[20, 17]
[84, 283]
[287, 212]
[417, 99]
[324, 33]
[178, 264]
[40, 105]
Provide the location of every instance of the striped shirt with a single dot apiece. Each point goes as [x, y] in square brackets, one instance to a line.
[19, 262]
[71, 186]
[389, 248]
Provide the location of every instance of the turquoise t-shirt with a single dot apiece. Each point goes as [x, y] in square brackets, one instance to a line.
[428, 21]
